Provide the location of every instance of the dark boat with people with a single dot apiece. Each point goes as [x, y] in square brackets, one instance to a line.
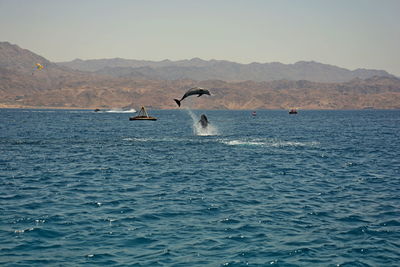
[293, 111]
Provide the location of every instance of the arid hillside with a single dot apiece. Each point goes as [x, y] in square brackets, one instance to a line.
[200, 70]
[22, 85]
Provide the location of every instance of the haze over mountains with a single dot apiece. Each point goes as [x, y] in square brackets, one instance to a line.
[200, 70]
[112, 83]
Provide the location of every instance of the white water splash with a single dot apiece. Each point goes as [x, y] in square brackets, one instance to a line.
[211, 129]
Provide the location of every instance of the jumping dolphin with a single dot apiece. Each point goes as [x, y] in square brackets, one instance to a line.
[194, 91]
[203, 121]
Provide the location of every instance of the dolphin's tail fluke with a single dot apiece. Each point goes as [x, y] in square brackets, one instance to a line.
[178, 102]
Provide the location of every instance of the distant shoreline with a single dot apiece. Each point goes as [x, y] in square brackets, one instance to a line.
[109, 108]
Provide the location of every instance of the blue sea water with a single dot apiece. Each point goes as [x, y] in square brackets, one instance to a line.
[320, 188]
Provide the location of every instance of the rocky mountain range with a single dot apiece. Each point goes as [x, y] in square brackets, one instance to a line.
[200, 70]
[65, 86]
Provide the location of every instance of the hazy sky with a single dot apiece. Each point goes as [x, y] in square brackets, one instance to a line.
[347, 33]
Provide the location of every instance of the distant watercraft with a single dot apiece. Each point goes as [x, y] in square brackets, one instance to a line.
[254, 113]
[293, 111]
[142, 116]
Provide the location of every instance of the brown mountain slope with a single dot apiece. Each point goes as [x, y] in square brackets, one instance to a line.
[55, 86]
[379, 93]
[200, 70]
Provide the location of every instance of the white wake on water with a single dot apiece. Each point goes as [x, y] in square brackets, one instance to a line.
[121, 111]
[211, 129]
[268, 143]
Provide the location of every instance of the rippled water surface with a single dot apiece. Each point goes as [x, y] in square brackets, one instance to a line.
[320, 188]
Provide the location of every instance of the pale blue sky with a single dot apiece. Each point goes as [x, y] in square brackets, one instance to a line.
[347, 33]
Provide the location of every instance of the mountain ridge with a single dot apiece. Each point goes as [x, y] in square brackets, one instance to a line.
[24, 86]
[199, 69]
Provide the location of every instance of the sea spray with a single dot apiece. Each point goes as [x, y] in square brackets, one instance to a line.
[198, 129]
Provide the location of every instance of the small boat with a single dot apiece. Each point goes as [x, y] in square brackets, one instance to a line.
[293, 111]
[254, 113]
[143, 116]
